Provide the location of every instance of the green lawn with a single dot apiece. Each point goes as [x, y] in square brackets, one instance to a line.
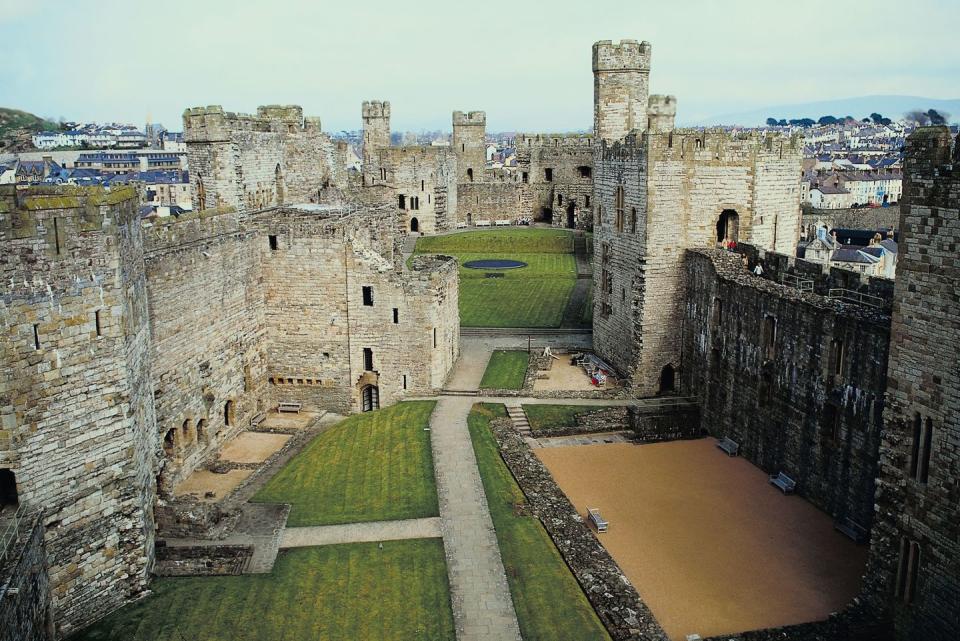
[506, 370]
[549, 602]
[373, 466]
[354, 591]
[545, 417]
[531, 296]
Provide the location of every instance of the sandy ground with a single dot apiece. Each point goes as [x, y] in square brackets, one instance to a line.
[564, 376]
[203, 481]
[710, 545]
[287, 420]
[252, 447]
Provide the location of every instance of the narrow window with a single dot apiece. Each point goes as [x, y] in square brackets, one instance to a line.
[96, 320]
[367, 359]
[434, 336]
[421, 185]
[36, 337]
[404, 381]
[586, 201]
[618, 204]
[907, 570]
[633, 220]
[228, 413]
[559, 199]
[769, 337]
[915, 445]
[548, 174]
[924, 472]
[56, 235]
[470, 174]
[274, 246]
[526, 177]
[717, 313]
[368, 296]
[401, 201]
[396, 315]
[836, 356]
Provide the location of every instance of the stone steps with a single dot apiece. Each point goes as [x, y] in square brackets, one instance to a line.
[459, 392]
[519, 418]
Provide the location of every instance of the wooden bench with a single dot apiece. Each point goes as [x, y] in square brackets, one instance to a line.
[594, 515]
[461, 225]
[502, 223]
[289, 406]
[483, 223]
[728, 445]
[259, 418]
[786, 484]
[856, 532]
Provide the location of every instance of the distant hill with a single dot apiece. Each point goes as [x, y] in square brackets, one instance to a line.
[892, 107]
[17, 126]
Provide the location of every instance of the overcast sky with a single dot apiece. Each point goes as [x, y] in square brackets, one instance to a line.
[525, 62]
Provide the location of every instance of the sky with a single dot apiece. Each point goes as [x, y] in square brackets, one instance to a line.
[525, 62]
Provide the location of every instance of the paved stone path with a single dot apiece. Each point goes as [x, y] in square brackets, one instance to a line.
[297, 537]
[482, 608]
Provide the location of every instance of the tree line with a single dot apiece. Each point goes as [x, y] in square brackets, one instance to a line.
[929, 117]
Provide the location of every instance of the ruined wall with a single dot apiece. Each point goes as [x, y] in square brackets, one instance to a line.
[207, 330]
[251, 162]
[918, 495]
[75, 393]
[564, 199]
[318, 326]
[796, 378]
[376, 135]
[25, 613]
[423, 180]
[498, 195]
[677, 186]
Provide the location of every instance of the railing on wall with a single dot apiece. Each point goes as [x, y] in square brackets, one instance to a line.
[10, 526]
[857, 298]
[802, 284]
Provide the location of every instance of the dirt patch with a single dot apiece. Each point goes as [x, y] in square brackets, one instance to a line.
[564, 376]
[252, 447]
[287, 420]
[203, 481]
[709, 544]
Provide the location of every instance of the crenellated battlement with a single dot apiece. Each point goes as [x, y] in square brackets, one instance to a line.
[932, 168]
[574, 140]
[213, 124]
[376, 109]
[626, 55]
[662, 105]
[470, 119]
[30, 212]
[703, 145]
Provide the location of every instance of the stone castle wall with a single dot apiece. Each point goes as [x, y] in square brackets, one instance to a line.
[423, 179]
[676, 186]
[918, 495]
[569, 159]
[251, 162]
[796, 378]
[77, 402]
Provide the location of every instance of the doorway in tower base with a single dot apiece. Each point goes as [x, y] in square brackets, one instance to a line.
[370, 398]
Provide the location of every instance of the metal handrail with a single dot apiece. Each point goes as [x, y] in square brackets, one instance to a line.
[10, 532]
[802, 284]
[858, 298]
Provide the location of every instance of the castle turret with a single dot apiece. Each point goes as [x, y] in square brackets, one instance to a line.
[469, 143]
[661, 112]
[621, 75]
[376, 135]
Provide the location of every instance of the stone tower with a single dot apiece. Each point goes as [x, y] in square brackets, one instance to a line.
[621, 76]
[470, 144]
[376, 135]
[76, 401]
[915, 556]
[661, 112]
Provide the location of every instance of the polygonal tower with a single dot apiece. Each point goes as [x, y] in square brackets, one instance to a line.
[621, 76]
[470, 144]
[376, 135]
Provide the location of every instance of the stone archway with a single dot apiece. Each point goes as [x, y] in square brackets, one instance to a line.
[369, 398]
[728, 225]
[414, 224]
[571, 214]
[667, 379]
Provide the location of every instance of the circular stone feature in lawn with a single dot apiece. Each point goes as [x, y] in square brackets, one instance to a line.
[494, 263]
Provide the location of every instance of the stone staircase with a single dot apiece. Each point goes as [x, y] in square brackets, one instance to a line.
[459, 392]
[519, 418]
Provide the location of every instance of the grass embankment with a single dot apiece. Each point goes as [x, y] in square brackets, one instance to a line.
[547, 417]
[531, 296]
[375, 466]
[354, 591]
[505, 370]
[547, 598]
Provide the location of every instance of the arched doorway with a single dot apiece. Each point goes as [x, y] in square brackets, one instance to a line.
[728, 225]
[547, 215]
[667, 379]
[571, 214]
[8, 488]
[414, 224]
[370, 398]
[201, 431]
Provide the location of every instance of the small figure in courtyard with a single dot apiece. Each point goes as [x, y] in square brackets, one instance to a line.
[758, 270]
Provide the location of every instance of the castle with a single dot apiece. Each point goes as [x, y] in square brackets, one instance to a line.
[134, 350]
